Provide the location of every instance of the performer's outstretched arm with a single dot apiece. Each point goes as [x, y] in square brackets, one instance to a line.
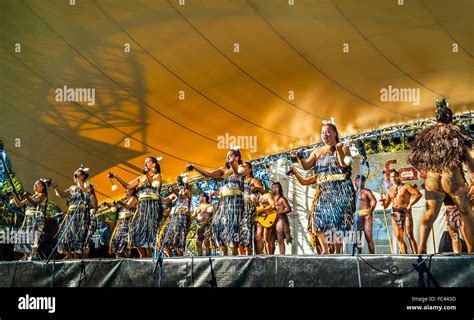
[217, 173]
[60, 193]
[131, 185]
[308, 163]
[301, 180]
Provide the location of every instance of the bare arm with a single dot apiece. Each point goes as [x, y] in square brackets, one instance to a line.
[301, 180]
[372, 199]
[308, 163]
[131, 203]
[386, 202]
[342, 151]
[286, 206]
[34, 202]
[93, 200]
[19, 203]
[270, 206]
[60, 193]
[415, 193]
[217, 173]
[257, 186]
[132, 184]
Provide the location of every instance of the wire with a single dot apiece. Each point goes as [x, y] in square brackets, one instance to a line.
[48, 168]
[327, 76]
[393, 270]
[382, 54]
[445, 29]
[98, 117]
[190, 85]
[63, 138]
[239, 67]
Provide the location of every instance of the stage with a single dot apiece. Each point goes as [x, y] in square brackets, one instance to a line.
[255, 271]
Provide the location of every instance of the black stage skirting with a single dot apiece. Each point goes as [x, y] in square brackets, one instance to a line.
[256, 271]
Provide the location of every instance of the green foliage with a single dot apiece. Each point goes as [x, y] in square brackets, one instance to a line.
[9, 217]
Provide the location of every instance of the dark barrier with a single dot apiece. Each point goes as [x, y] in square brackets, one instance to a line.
[260, 271]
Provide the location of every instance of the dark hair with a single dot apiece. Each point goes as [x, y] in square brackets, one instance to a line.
[234, 153]
[363, 178]
[205, 195]
[86, 175]
[280, 188]
[333, 127]
[251, 168]
[443, 113]
[157, 165]
[45, 189]
[394, 171]
[133, 192]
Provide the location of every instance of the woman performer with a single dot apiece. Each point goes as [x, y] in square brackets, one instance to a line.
[226, 223]
[119, 242]
[145, 221]
[251, 187]
[172, 236]
[81, 203]
[33, 225]
[335, 196]
[441, 151]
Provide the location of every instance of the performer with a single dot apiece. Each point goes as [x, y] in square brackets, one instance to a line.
[146, 219]
[81, 203]
[313, 238]
[251, 187]
[334, 198]
[33, 225]
[203, 215]
[441, 151]
[226, 223]
[399, 195]
[119, 242]
[263, 240]
[454, 226]
[281, 230]
[367, 205]
[172, 236]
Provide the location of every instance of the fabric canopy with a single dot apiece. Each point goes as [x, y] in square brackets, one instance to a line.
[184, 79]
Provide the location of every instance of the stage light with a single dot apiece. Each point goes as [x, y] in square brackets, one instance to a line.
[385, 142]
[410, 138]
[397, 140]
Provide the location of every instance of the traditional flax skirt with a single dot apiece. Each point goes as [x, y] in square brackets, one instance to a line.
[119, 240]
[174, 231]
[453, 218]
[77, 237]
[246, 224]
[30, 233]
[226, 224]
[145, 223]
[334, 207]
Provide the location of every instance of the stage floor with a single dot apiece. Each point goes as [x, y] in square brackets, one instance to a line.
[254, 271]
